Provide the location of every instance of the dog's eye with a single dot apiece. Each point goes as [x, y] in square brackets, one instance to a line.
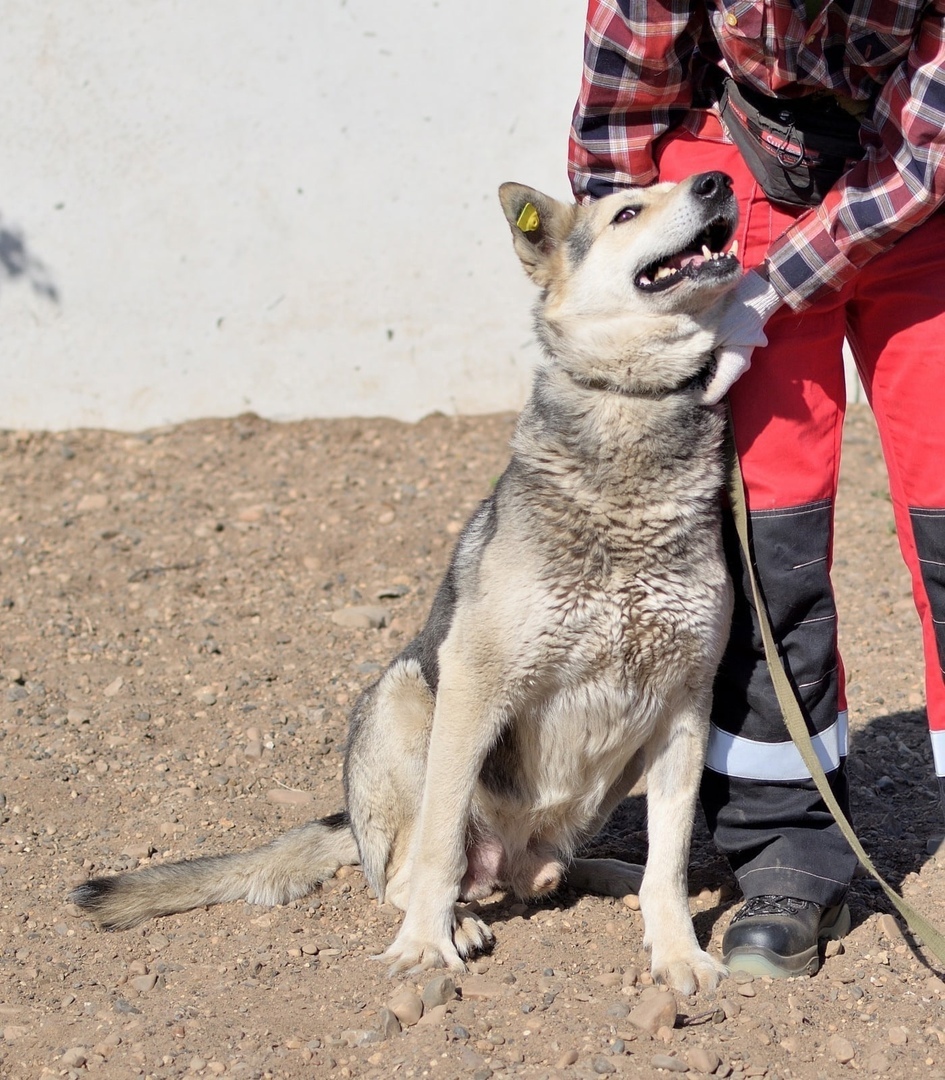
[626, 213]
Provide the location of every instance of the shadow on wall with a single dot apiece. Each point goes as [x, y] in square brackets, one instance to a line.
[18, 262]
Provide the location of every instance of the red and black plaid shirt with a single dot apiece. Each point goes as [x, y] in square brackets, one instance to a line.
[644, 65]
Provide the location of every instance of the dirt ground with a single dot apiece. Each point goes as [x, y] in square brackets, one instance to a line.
[172, 682]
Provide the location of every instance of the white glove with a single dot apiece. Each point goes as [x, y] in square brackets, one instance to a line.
[740, 332]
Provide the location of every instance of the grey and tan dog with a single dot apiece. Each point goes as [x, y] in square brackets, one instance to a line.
[573, 642]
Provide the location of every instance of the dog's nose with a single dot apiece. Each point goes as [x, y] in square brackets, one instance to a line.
[710, 185]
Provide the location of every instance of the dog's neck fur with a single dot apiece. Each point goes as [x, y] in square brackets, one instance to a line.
[569, 426]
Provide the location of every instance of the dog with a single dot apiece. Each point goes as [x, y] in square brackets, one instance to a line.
[573, 642]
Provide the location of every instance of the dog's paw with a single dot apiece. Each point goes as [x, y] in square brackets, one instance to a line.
[471, 936]
[415, 950]
[409, 957]
[688, 972]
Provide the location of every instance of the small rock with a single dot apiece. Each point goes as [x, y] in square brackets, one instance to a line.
[387, 592]
[569, 1057]
[144, 983]
[898, 1036]
[114, 687]
[603, 1066]
[361, 1038]
[433, 1016]
[840, 1049]
[387, 1022]
[703, 1060]
[364, 617]
[833, 947]
[74, 1058]
[289, 797]
[669, 1063]
[936, 847]
[406, 1005]
[631, 976]
[889, 927]
[476, 988]
[730, 1008]
[92, 502]
[470, 1060]
[610, 978]
[253, 750]
[438, 991]
[745, 990]
[139, 851]
[656, 1009]
[206, 697]
[14, 1032]
[197, 1064]
[632, 902]
[877, 1063]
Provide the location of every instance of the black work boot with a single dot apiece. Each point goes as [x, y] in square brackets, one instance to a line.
[779, 935]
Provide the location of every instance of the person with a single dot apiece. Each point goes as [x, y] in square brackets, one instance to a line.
[865, 263]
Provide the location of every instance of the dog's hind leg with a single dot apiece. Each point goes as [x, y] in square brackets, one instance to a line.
[675, 763]
[385, 766]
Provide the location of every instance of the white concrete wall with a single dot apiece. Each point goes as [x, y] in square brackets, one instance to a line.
[287, 207]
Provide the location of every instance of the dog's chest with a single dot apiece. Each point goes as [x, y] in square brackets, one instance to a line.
[640, 593]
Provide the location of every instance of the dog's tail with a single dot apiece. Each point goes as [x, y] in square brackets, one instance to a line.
[283, 870]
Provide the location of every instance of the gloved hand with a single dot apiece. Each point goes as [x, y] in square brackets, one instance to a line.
[741, 331]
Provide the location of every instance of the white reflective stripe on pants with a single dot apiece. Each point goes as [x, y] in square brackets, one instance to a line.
[733, 755]
[938, 751]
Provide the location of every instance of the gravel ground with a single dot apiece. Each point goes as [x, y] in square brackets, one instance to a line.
[173, 682]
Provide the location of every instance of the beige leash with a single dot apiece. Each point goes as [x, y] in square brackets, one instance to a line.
[797, 727]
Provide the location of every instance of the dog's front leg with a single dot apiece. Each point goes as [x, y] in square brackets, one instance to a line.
[435, 933]
[675, 764]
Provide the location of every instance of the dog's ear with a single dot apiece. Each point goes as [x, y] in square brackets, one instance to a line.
[539, 225]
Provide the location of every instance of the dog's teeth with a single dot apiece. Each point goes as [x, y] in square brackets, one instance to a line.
[733, 250]
[706, 253]
[663, 272]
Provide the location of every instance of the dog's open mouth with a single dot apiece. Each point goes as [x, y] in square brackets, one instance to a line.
[705, 255]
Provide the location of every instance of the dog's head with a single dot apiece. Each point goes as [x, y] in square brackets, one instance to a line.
[631, 284]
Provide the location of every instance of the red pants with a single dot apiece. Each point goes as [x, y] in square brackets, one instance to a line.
[787, 414]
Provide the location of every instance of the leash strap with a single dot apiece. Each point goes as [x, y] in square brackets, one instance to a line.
[796, 725]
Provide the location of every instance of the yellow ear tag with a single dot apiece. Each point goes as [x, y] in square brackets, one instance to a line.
[528, 219]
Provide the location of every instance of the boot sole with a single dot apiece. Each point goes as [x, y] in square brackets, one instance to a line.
[759, 962]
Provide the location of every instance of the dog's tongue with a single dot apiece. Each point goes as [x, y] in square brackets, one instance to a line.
[675, 263]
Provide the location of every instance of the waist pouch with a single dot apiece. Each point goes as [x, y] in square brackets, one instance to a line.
[796, 148]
